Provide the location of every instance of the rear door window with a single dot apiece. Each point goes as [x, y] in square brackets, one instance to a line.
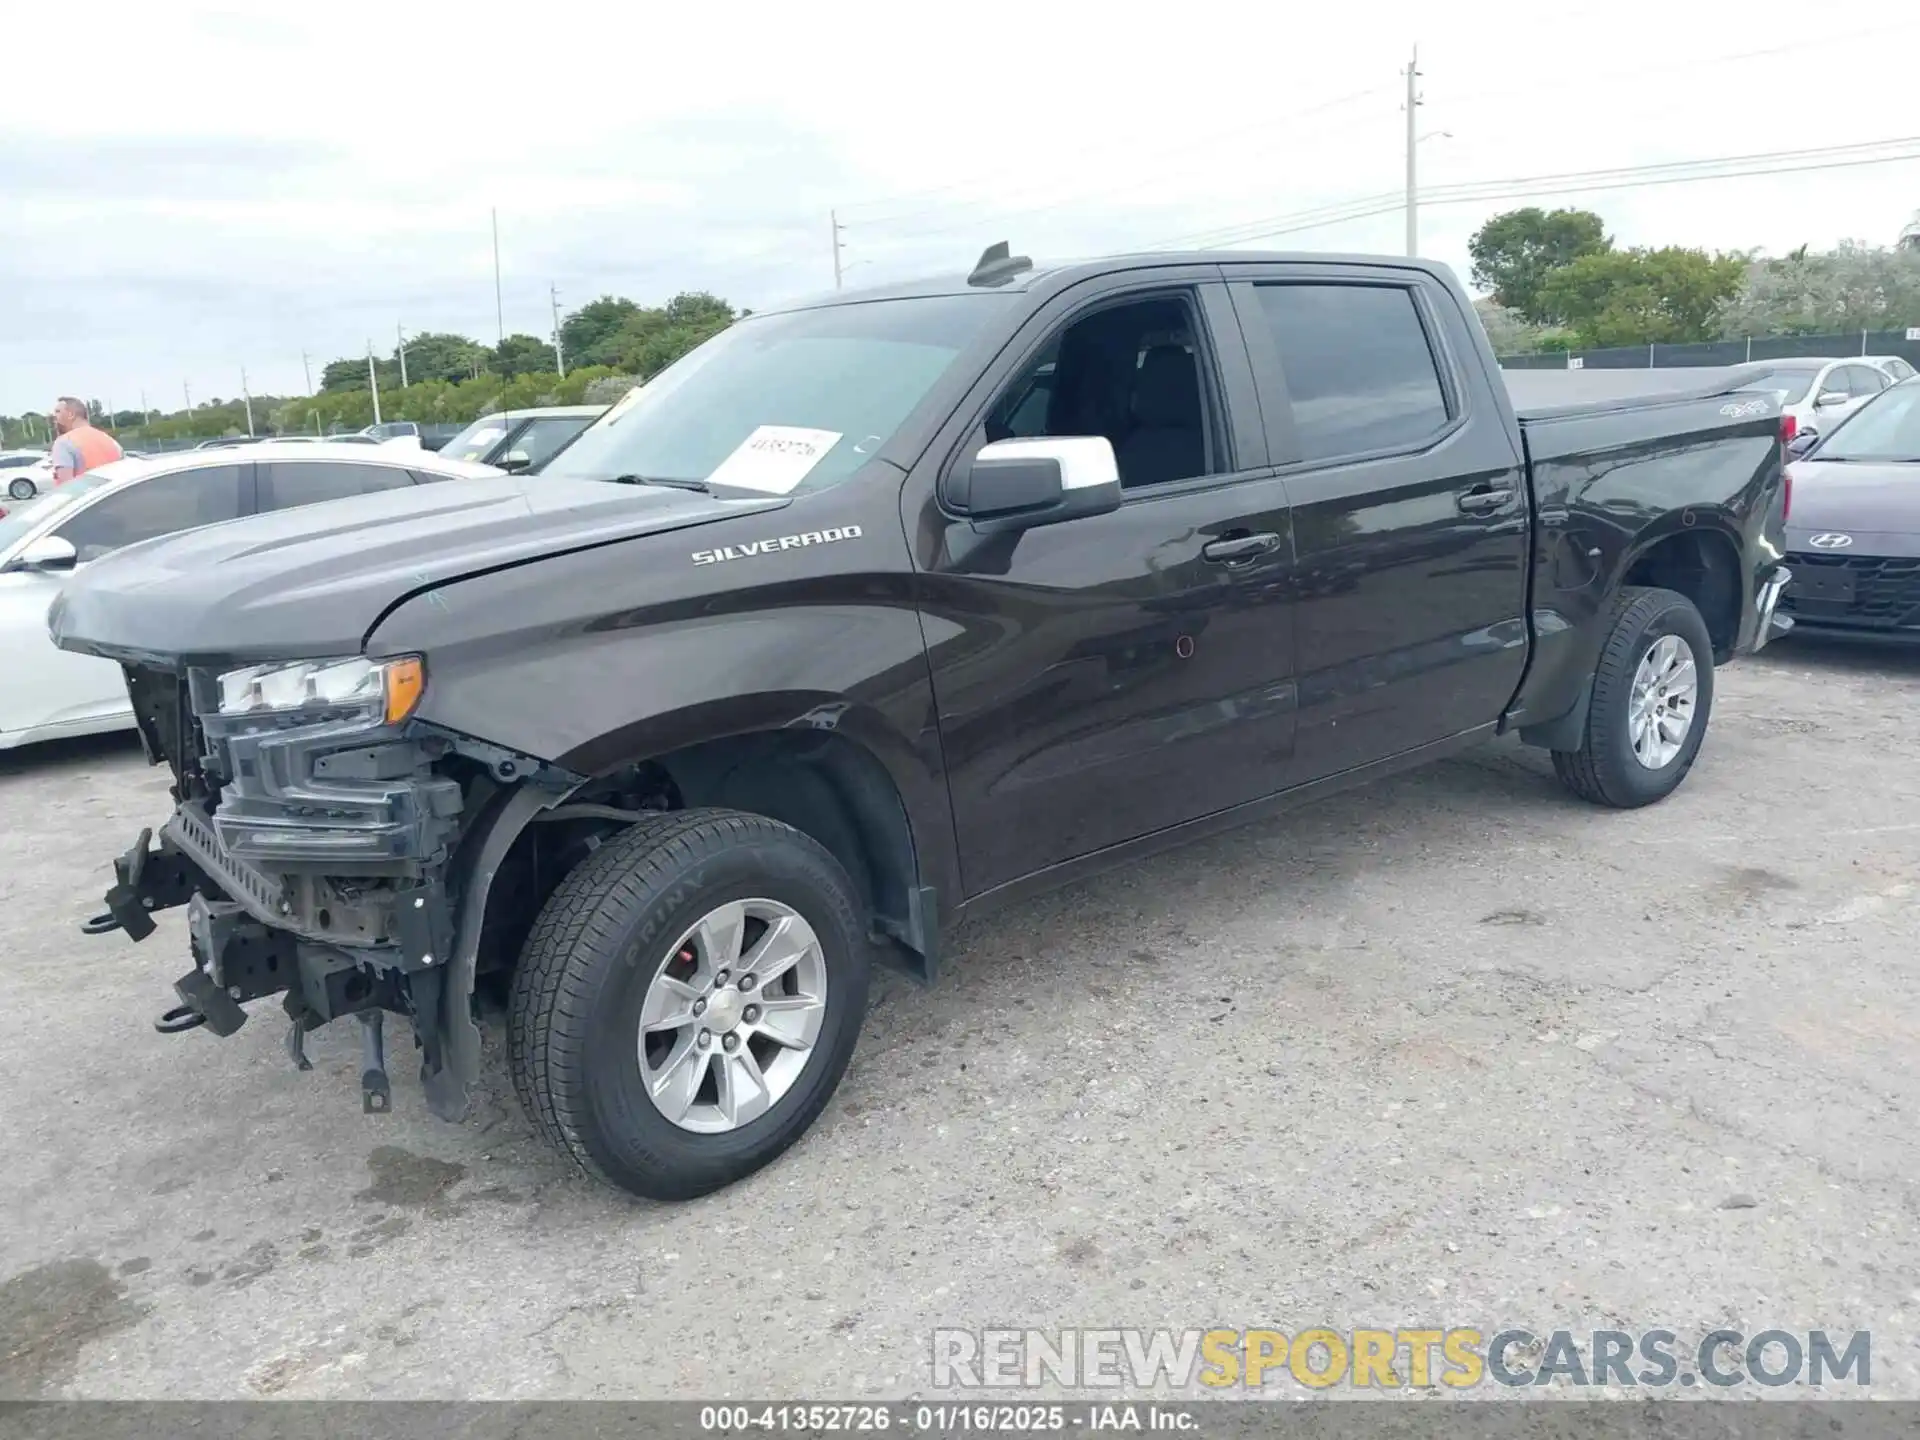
[1359, 367]
[287, 483]
[147, 509]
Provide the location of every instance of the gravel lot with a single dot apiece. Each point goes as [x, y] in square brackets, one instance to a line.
[1453, 1050]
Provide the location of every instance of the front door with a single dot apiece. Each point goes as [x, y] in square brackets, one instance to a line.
[1410, 515]
[1107, 677]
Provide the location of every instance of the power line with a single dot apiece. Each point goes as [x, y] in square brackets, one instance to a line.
[1690, 65]
[1096, 148]
[1083, 195]
[1571, 182]
[1396, 202]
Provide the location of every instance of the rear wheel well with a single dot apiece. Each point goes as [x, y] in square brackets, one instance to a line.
[1704, 566]
[824, 785]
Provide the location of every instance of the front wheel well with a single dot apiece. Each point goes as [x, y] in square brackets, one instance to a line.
[824, 785]
[1704, 566]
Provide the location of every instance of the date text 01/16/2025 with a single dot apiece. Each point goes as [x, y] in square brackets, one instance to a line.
[946, 1418]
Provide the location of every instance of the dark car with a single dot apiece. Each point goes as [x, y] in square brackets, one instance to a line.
[907, 603]
[1853, 541]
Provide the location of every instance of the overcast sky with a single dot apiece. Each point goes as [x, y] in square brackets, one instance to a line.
[193, 189]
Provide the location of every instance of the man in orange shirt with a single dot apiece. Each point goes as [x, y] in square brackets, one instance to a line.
[80, 446]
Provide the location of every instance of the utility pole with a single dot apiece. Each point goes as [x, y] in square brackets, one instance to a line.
[307, 366]
[559, 355]
[146, 415]
[373, 382]
[1413, 143]
[187, 390]
[838, 246]
[499, 310]
[401, 336]
[246, 395]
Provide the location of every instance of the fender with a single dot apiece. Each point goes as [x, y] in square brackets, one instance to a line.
[1608, 486]
[911, 764]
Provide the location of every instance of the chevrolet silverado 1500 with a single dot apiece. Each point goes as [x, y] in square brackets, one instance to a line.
[879, 611]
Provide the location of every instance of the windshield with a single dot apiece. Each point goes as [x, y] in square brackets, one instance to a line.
[1884, 430]
[477, 439]
[1789, 387]
[778, 403]
[20, 519]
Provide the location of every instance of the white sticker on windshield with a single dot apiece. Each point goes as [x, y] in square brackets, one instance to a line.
[775, 458]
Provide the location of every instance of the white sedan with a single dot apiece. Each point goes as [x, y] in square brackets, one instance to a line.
[51, 693]
[25, 473]
[1814, 393]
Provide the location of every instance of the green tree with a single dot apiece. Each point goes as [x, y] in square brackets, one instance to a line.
[522, 355]
[1642, 296]
[587, 331]
[436, 356]
[1513, 254]
[650, 340]
[350, 373]
[1854, 287]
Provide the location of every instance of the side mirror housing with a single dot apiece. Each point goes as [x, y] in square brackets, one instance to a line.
[49, 552]
[1830, 398]
[514, 461]
[1017, 484]
[1802, 442]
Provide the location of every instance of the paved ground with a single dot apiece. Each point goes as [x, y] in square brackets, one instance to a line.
[1453, 1050]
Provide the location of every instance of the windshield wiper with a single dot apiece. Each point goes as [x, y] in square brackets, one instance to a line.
[671, 482]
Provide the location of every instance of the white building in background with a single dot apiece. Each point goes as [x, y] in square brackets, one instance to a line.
[1910, 236]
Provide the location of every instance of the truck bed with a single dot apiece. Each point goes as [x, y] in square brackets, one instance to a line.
[1550, 393]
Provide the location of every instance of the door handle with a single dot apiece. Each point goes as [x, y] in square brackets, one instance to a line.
[1238, 547]
[1485, 497]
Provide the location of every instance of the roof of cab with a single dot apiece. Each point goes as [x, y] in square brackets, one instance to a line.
[1053, 277]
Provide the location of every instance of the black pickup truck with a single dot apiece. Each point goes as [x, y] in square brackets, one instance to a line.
[881, 611]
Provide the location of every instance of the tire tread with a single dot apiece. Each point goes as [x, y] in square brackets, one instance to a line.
[1582, 771]
[549, 1003]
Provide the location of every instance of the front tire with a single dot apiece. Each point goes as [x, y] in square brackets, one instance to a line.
[1652, 696]
[745, 918]
[21, 488]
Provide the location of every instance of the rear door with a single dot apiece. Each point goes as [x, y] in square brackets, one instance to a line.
[1410, 512]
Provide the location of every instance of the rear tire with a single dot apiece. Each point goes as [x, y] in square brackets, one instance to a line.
[1610, 768]
[611, 941]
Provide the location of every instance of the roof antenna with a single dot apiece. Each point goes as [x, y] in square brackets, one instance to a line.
[997, 265]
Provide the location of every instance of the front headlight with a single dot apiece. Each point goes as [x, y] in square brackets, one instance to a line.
[390, 688]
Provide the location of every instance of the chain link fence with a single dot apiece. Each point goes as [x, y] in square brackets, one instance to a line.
[1904, 343]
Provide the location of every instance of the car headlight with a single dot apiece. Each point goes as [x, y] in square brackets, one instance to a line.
[390, 688]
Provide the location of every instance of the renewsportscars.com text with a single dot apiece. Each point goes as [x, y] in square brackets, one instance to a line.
[1458, 1358]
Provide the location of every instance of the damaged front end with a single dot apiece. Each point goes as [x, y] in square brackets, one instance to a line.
[329, 848]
